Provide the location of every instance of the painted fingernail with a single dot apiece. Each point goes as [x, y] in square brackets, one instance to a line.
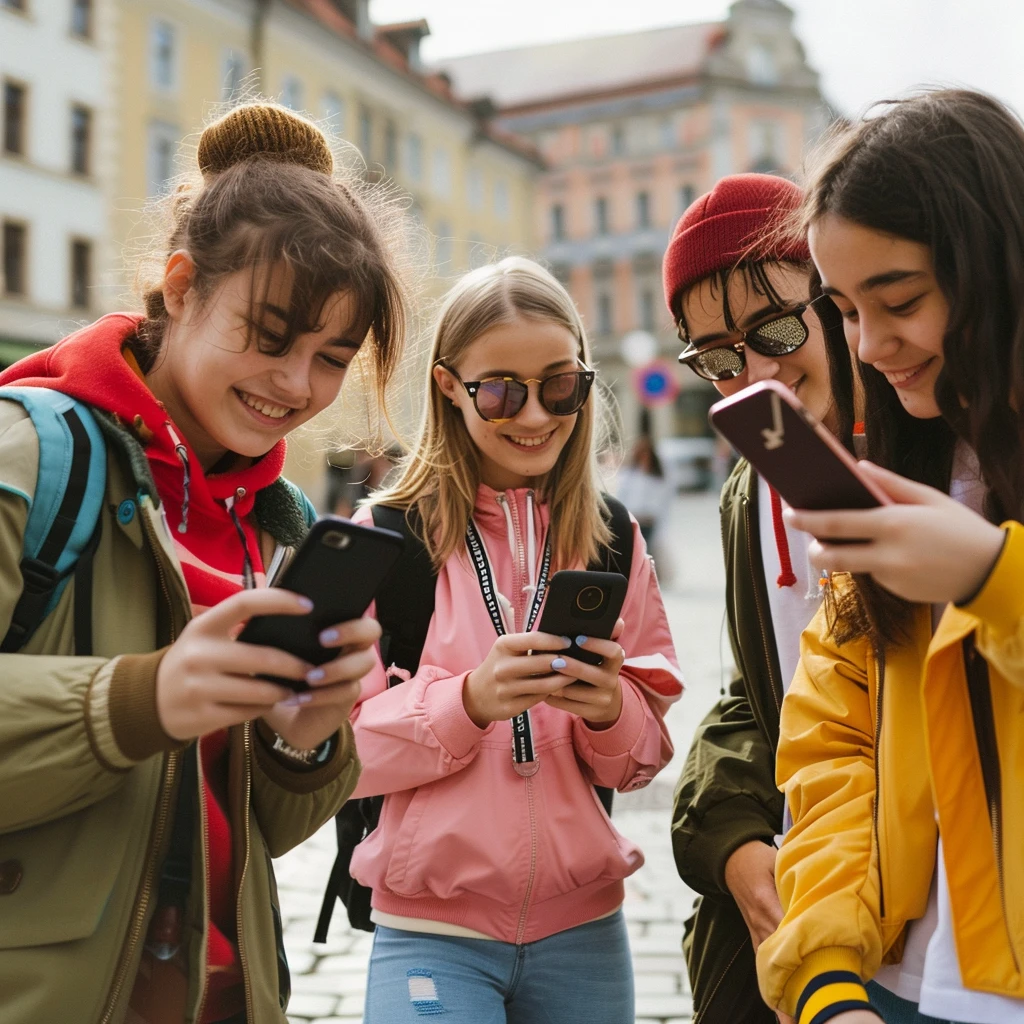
[581, 640]
[567, 640]
[558, 663]
[296, 700]
[306, 603]
[328, 636]
[314, 675]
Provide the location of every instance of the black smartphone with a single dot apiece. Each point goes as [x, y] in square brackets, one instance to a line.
[340, 566]
[583, 604]
[768, 425]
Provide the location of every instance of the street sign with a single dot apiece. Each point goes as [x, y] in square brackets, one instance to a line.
[656, 384]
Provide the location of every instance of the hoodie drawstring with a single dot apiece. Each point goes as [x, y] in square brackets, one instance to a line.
[530, 589]
[786, 578]
[248, 576]
[182, 453]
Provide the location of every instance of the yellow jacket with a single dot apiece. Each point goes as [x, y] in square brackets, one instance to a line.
[868, 759]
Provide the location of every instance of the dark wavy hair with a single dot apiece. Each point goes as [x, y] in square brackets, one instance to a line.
[944, 168]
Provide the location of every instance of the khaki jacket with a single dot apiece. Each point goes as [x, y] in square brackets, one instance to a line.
[869, 755]
[88, 777]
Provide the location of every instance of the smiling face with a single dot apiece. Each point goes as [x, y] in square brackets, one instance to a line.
[225, 394]
[519, 451]
[894, 313]
[804, 371]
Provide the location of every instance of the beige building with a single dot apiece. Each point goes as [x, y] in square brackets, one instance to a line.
[633, 128]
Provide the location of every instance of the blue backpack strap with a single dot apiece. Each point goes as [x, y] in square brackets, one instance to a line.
[64, 513]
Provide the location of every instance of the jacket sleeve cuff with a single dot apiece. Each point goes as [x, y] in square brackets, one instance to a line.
[301, 779]
[620, 737]
[826, 984]
[124, 725]
[999, 602]
[447, 718]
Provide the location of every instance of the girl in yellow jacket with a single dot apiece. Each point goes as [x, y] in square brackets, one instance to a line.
[902, 737]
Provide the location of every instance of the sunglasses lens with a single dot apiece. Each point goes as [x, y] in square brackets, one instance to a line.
[500, 399]
[719, 363]
[565, 393]
[779, 337]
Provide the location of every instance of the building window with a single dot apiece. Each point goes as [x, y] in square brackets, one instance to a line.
[441, 174]
[601, 215]
[414, 157]
[15, 258]
[390, 147]
[687, 194]
[81, 138]
[558, 223]
[647, 309]
[291, 92]
[475, 188]
[163, 54]
[333, 107]
[762, 68]
[15, 117]
[234, 72]
[365, 132]
[163, 146]
[643, 209]
[667, 131]
[81, 18]
[81, 273]
[502, 205]
[618, 141]
[604, 313]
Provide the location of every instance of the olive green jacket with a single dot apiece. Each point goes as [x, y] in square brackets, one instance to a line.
[88, 777]
[726, 795]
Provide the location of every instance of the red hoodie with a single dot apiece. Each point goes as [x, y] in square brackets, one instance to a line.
[91, 365]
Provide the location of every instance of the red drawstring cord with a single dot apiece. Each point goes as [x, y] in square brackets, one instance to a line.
[787, 578]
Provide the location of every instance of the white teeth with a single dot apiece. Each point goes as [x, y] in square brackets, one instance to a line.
[530, 442]
[898, 377]
[275, 412]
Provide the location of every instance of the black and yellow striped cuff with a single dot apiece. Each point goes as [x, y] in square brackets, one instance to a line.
[828, 995]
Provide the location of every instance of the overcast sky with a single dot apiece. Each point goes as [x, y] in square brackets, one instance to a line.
[864, 49]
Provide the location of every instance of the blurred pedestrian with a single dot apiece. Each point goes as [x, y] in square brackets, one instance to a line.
[741, 298]
[497, 875]
[902, 734]
[641, 486]
[147, 772]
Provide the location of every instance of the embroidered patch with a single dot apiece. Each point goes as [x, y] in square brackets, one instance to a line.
[423, 992]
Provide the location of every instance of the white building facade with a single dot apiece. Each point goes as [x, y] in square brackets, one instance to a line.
[55, 149]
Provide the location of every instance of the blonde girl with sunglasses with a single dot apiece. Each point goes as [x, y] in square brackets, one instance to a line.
[498, 880]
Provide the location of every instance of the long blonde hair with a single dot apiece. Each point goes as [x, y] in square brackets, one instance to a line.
[440, 477]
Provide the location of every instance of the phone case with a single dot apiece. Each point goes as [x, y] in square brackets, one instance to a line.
[769, 426]
[583, 604]
[340, 566]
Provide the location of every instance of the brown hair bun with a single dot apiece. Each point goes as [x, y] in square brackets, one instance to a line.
[263, 130]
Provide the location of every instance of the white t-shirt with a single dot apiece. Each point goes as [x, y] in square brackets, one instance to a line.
[929, 973]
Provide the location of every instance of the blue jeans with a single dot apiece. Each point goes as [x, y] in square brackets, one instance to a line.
[895, 1010]
[580, 976]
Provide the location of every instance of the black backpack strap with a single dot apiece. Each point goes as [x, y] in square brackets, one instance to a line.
[617, 558]
[404, 608]
[405, 604]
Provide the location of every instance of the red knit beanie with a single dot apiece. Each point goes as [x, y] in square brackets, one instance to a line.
[724, 226]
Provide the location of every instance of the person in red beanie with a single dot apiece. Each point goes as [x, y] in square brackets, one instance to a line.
[738, 286]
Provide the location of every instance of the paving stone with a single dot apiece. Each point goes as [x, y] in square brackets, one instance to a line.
[663, 1006]
[311, 1004]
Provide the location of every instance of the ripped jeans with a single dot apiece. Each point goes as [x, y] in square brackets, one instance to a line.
[580, 976]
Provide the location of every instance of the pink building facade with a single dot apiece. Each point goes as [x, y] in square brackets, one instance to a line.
[632, 129]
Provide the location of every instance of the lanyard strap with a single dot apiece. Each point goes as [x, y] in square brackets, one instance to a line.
[522, 733]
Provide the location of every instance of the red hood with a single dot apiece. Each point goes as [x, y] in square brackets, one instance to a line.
[90, 365]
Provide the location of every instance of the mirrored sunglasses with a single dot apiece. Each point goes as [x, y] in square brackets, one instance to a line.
[779, 335]
[498, 399]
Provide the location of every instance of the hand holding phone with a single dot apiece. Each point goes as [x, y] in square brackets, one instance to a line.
[340, 566]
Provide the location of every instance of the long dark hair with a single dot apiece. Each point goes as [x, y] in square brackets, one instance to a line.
[944, 168]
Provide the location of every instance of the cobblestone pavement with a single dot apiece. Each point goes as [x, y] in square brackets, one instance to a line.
[329, 981]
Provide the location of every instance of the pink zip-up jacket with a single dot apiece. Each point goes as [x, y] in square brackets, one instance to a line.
[463, 838]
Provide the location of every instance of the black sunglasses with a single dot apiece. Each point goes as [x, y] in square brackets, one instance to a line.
[780, 334]
[499, 399]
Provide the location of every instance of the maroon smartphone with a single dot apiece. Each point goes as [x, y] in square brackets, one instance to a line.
[769, 426]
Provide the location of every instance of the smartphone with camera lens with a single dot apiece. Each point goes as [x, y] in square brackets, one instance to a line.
[340, 566]
[583, 604]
